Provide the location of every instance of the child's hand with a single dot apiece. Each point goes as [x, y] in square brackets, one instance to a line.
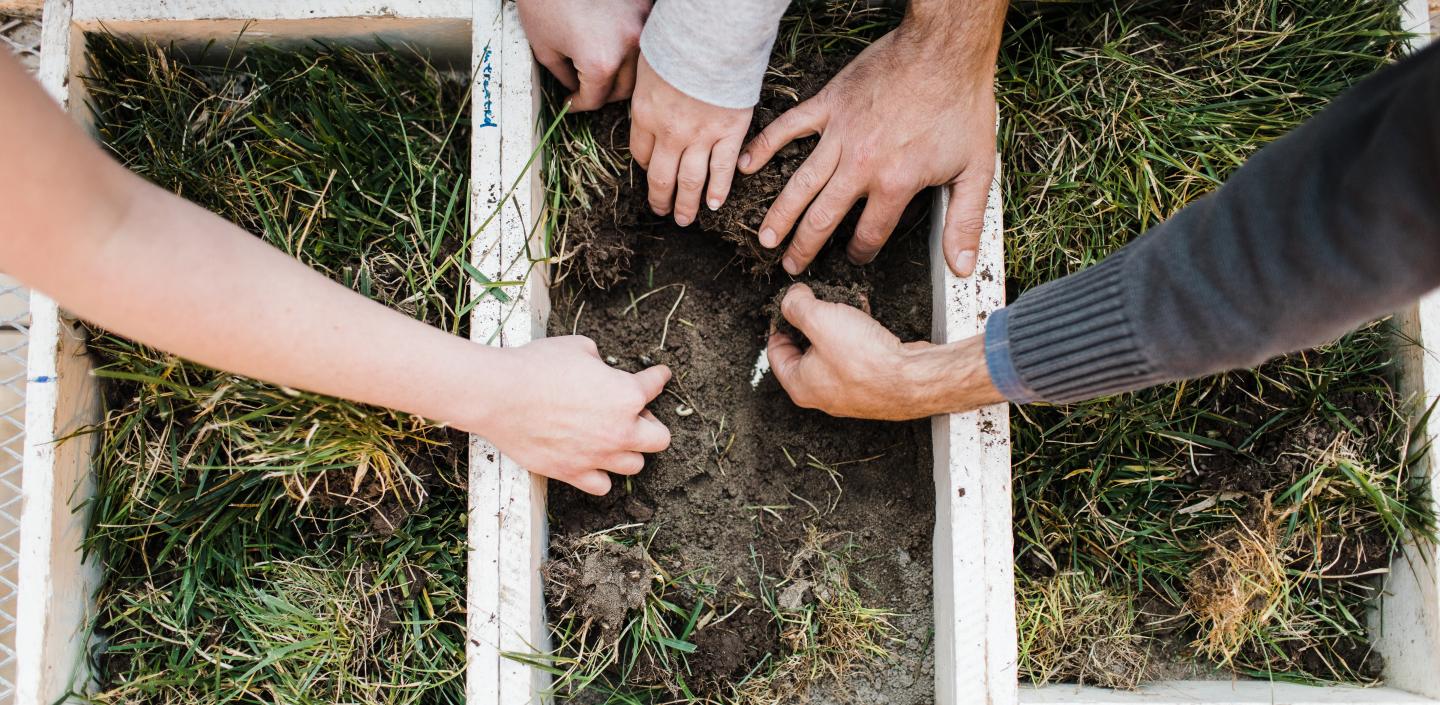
[571, 417]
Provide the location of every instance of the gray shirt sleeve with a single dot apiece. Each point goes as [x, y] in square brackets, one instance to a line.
[1333, 225]
[712, 50]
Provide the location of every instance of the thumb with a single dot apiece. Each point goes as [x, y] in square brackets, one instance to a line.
[799, 306]
[965, 218]
[652, 381]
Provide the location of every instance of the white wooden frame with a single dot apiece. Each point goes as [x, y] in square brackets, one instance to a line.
[974, 584]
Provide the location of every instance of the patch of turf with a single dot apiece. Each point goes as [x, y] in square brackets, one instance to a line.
[1116, 115]
[261, 544]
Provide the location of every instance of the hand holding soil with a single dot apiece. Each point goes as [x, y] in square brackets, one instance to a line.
[571, 417]
[890, 127]
[681, 143]
[855, 368]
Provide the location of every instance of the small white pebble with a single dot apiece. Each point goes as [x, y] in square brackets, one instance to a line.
[610, 360]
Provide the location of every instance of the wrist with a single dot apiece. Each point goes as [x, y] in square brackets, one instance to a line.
[481, 388]
[946, 379]
[968, 39]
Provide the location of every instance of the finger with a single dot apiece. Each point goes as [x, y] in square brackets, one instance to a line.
[826, 212]
[651, 436]
[596, 482]
[722, 171]
[802, 120]
[642, 143]
[652, 381]
[785, 362]
[798, 308]
[661, 177]
[624, 80]
[559, 67]
[625, 463]
[965, 219]
[694, 164]
[877, 222]
[797, 194]
[595, 86]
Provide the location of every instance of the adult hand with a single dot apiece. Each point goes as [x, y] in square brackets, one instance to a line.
[915, 109]
[856, 368]
[589, 45]
[572, 417]
[681, 142]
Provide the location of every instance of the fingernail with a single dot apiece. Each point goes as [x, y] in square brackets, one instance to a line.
[768, 238]
[682, 220]
[791, 266]
[714, 204]
[744, 160]
[965, 262]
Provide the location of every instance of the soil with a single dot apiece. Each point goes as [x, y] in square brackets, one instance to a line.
[748, 472]
[604, 240]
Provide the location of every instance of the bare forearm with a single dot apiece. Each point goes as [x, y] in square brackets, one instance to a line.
[966, 33]
[235, 303]
[147, 264]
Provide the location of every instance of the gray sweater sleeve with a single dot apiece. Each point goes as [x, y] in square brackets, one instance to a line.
[1333, 225]
[712, 50]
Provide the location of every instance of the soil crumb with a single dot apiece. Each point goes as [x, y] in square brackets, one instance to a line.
[601, 580]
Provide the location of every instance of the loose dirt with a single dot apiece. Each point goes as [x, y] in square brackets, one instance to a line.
[748, 472]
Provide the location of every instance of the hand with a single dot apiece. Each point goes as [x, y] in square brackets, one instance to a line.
[901, 117]
[856, 368]
[589, 45]
[678, 140]
[572, 417]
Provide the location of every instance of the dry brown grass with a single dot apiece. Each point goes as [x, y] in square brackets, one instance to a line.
[1240, 586]
[1072, 629]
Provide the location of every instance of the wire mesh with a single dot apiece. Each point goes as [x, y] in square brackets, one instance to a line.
[21, 36]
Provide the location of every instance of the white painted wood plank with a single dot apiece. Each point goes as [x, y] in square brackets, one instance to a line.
[56, 584]
[486, 191]
[173, 10]
[1221, 693]
[522, 511]
[974, 590]
[1001, 650]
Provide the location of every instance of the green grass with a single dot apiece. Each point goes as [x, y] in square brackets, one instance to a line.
[261, 544]
[1116, 115]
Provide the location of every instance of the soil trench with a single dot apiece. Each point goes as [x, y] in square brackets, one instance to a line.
[748, 472]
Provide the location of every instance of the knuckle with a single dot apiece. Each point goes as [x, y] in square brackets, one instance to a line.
[819, 217]
[869, 239]
[690, 182]
[807, 179]
[893, 183]
[969, 228]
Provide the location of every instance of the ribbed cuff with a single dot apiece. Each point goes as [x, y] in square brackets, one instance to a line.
[1071, 339]
[998, 361]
